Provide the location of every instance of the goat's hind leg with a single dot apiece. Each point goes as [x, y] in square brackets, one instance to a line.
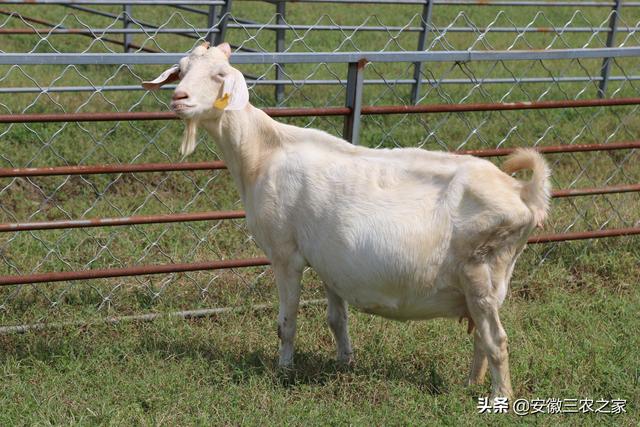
[478, 363]
[491, 337]
[288, 278]
[338, 319]
[500, 275]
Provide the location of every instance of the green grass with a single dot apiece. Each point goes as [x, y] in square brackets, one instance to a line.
[572, 317]
[571, 339]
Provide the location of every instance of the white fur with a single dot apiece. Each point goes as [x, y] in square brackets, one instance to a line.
[402, 233]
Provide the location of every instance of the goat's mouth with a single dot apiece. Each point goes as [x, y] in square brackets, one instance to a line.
[181, 108]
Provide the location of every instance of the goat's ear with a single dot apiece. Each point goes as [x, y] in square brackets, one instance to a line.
[225, 48]
[235, 94]
[168, 76]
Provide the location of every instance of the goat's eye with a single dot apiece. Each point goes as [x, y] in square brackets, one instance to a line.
[220, 75]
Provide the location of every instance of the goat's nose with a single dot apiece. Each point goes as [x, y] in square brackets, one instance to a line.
[179, 94]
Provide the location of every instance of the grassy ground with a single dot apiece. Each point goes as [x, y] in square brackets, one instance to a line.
[571, 336]
[572, 316]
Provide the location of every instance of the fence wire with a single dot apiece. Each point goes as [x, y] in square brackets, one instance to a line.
[285, 27]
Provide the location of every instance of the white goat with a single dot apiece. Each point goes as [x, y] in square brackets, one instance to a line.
[403, 233]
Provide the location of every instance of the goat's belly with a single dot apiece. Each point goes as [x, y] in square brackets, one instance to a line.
[411, 305]
[402, 296]
[393, 268]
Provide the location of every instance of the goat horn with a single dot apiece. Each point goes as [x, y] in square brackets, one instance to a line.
[206, 45]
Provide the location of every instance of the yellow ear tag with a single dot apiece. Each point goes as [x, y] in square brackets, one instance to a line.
[222, 102]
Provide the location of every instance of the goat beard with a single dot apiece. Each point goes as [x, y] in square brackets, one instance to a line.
[189, 137]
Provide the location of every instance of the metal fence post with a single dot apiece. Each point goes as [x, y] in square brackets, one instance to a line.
[280, 34]
[355, 79]
[125, 24]
[212, 20]
[422, 39]
[611, 37]
[222, 22]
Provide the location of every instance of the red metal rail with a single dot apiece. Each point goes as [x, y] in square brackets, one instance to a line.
[573, 192]
[137, 270]
[156, 115]
[221, 215]
[108, 169]
[582, 235]
[165, 167]
[554, 149]
[498, 106]
[130, 220]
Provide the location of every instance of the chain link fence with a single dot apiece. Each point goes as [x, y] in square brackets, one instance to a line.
[91, 180]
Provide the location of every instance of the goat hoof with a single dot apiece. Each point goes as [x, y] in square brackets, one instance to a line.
[287, 376]
[346, 361]
[346, 365]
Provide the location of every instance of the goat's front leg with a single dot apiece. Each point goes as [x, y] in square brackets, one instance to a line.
[483, 307]
[288, 279]
[338, 319]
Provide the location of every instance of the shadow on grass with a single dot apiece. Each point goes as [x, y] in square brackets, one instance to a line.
[311, 368]
[57, 348]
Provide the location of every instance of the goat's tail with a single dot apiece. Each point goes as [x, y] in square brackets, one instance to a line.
[537, 191]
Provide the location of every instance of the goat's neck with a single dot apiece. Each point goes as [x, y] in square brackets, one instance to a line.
[245, 138]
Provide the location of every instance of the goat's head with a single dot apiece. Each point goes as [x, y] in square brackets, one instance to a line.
[208, 86]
